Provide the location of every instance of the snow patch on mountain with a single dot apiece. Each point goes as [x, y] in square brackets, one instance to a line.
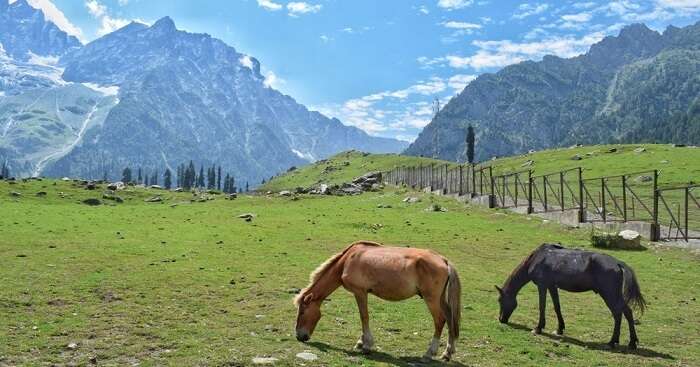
[111, 90]
[305, 156]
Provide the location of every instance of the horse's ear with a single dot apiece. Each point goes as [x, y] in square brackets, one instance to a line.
[499, 289]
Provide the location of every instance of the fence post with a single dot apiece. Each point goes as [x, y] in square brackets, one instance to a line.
[655, 227]
[473, 191]
[687, 193]
[461, 191]
[492, 196]
[624, 198]
[602, 199]
[530, 209]
[544, 185]
[561, 189]
[581, 212]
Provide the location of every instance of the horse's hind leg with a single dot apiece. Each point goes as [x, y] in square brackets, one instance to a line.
[633, 333]
[543, 304]
[366, 341]
[439, 323]
[615, 304]
[554, 293]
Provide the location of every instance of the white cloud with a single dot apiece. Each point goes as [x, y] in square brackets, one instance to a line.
[693, 5]
[526, 10]
[460, 25]
[273, 81]
[56, 16]
[246, 61]
[496, 54]
[460, 81]
[454, 4]
[298, 8]
[423, 9]
[578, 18]
[269, 5]
[325, 38]
[108, 24]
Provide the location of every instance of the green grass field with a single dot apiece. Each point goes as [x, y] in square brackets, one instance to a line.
[192, 284]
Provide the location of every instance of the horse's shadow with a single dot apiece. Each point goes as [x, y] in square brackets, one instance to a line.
[382, 357]
[642, 352]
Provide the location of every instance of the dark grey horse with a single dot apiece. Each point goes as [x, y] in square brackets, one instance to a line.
[553, 267]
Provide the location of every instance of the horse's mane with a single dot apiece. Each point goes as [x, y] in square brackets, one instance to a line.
[524, 263]
[321, 269]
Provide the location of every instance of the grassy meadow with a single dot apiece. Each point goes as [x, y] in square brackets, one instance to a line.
[186, 283]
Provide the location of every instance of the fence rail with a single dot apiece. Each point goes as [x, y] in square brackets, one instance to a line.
[631, 197]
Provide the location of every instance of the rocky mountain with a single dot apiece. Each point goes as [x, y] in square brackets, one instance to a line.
[635, 87]
[154, 97]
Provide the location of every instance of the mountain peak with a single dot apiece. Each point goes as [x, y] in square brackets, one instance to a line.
[165, 23]
[637, 30]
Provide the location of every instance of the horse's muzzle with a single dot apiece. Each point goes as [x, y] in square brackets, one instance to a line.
[303, 336]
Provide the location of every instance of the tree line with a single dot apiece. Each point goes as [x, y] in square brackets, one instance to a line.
[187, 177]
[4, 170]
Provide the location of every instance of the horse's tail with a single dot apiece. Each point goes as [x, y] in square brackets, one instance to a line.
[452, 301]
[630, 289]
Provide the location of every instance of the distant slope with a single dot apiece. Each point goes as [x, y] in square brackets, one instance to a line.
[637, 86]
[341, 168]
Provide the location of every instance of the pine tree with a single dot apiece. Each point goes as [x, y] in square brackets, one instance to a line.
[470, 144]
[126, 175]
[247, 188]
[140, 177]
[167, 179]
[145, 179]
[200, 179]
[154, 178]
[218, 179]
[189, 176]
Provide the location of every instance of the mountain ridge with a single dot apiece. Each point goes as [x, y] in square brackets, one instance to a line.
[556, 102]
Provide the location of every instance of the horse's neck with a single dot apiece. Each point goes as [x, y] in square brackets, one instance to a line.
[518, 279]
[328, 282]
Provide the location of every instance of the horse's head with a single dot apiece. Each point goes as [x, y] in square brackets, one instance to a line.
[308, 314]
[507, 303]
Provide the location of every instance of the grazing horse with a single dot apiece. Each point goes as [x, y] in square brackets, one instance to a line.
[390, 273]
[553, 267]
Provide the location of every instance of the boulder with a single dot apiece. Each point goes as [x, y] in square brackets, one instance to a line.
[285, 193]
[231, 196]
[644, 178]
[114, 186]
[577, 157]
[90, 185]
[155, 199]
[627, 239]
[640, 150]
[307, 356]
[156, 187]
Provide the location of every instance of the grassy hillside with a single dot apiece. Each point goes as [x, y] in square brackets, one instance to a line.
[341, 168]
[676, 165]
[191, 284]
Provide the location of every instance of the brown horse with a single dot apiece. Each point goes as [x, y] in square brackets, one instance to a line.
[390, 273]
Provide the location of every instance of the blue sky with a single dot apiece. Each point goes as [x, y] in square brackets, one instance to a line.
[378, 64]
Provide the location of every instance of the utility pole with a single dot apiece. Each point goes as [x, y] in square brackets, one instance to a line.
[436, 136]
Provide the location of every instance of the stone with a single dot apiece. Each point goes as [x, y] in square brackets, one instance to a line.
[323, 189]
[644, 178]
[411, 199]
[178, 189]
[612, 150]
[65, 179]
[640, 150]
[15, 194]
[114, 186]
[307, 356]
[114, 198]
[231, 196]
[155, 199]
[577, 157]
[72, 346]
[264, 360]
[156, 187]
[285, 193]
[626, 239]
[90, 186]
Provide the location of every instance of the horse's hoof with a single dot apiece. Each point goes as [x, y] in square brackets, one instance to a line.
[536, 331]
[446, 357]
[358, 345]
[559, 332]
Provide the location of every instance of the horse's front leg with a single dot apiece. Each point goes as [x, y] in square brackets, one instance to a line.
[439, 323]
[366, 341]
[554, 293]
[543, 303]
